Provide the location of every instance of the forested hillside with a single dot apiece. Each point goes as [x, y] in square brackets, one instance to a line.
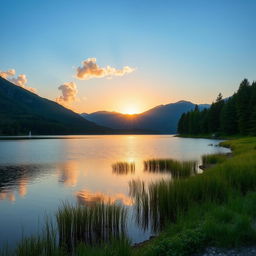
[22, 111]
[235, 115]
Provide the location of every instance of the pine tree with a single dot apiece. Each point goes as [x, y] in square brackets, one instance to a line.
[243, 111]
[229, 117]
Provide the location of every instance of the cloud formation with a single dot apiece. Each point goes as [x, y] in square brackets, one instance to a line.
[8, 73]
[69, 92]
[90, 69]
[20, 80]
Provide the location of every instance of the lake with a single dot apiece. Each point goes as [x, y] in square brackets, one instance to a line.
[37, 175]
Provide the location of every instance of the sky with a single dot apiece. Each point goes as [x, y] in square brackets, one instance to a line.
[128, 56]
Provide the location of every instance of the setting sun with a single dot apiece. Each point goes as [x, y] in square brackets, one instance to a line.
[131, 110]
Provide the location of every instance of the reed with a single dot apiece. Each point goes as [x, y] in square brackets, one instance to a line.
[92, 224]
[164, 201]
[210, 159]
[178, 169]
[123, 168]
[120, 247]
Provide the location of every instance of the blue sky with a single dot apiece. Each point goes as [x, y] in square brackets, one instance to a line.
[189, 50]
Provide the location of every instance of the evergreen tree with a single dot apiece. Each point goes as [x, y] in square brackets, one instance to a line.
[229, 117]
[243, 104]
[214, 115]
[232, 116]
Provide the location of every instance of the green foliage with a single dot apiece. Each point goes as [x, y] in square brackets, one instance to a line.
[236, 115]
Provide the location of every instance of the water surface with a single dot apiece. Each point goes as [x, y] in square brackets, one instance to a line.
[37, 175]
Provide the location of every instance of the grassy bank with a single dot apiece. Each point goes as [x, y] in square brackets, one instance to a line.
[216, 208]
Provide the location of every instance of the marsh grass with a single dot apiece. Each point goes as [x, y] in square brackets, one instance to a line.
[211, 159]
[92, 224]
[120, 247]
[178, 169]
[164, 201]
[123, 168]
[229, 225]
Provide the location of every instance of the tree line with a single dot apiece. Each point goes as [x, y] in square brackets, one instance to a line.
[234, 115]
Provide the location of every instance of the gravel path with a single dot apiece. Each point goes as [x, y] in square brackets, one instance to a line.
[244, 251]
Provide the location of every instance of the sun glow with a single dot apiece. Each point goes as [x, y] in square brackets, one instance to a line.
[131, 110]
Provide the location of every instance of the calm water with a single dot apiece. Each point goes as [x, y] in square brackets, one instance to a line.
[37, 175]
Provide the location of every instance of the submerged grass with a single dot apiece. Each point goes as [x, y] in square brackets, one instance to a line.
[178, 169]
[123, 168]
[92, 224]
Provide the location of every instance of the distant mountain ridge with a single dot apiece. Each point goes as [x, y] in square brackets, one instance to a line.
[162, 118]
[22, 111]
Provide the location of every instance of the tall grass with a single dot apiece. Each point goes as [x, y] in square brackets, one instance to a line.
[210, 159]
[162, 202]
[120, 247]
[123, 168]
[78, 231]
[178, 169]
[92, 224]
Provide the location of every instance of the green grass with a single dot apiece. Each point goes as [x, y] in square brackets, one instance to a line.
[216, 208]
[162, 202]
[178, 169]
[80, 230]
[91, 224]
[211, 159]
[228, 225]
[121, 247]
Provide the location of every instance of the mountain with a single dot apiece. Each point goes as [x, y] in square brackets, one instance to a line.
[163, 118]
[22, 111]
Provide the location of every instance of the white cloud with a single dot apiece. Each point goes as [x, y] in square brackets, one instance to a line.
[8, 73]
[20, 80]
[90, 69]
[69, 92]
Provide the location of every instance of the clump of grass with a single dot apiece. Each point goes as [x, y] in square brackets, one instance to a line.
[118, 247]
[92, 224]
[123, 168]
[178, 169]
[164, 201]
[211, 159]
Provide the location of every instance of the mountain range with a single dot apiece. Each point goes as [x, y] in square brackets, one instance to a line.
[160, 119]
[22, 111]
